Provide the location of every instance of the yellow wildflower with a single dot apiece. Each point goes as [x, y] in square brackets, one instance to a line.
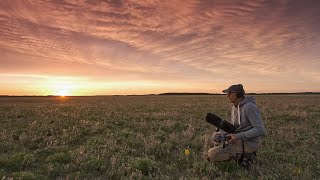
[187, 151]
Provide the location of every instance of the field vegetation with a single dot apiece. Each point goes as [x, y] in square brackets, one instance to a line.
[145, 137]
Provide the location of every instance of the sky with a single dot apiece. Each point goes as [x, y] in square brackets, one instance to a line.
[107, 47]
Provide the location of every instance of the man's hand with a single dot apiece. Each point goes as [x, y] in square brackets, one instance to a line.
[232, 138]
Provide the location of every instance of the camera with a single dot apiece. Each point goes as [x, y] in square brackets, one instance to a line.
[222, 137]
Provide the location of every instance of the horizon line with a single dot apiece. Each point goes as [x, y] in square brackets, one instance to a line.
[160, 94]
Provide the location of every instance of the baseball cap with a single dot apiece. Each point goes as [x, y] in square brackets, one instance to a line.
[237, 88]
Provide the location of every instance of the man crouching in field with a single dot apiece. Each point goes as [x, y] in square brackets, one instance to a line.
[243, 143]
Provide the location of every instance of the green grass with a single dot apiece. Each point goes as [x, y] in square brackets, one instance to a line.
[144, 137]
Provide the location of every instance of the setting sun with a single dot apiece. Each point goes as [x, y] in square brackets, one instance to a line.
[63, 92]
[62, 88]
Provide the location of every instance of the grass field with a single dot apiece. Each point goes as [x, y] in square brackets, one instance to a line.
[144, 137]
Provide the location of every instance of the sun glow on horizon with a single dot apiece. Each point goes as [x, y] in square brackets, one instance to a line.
[64, 86]
[63, 93]
[63, 89]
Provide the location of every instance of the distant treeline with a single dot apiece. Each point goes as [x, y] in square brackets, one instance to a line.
[187, 94]
[297, 93]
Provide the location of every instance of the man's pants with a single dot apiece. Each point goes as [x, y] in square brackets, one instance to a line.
[218, 153]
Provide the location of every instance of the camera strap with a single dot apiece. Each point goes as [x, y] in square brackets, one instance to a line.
[242, 146]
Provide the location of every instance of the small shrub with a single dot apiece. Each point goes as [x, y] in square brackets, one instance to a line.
[54, 170]
[179, 126]
[94, 166]
[60, 157]
[146, 166]
[19, 161]
[24, 175]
